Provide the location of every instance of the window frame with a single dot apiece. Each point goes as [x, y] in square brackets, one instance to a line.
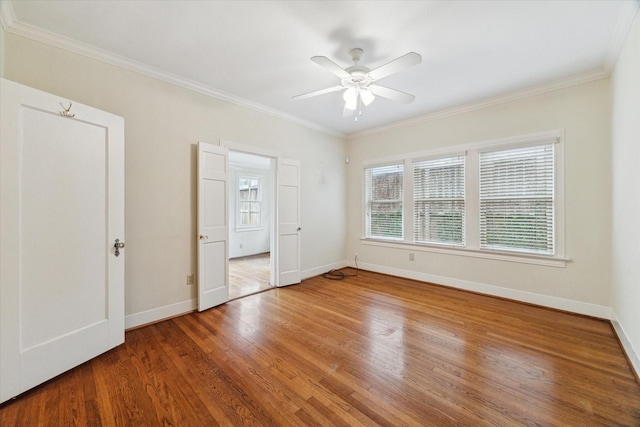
[249, 227]
[428, 200]
[472, 200]
[401, 200]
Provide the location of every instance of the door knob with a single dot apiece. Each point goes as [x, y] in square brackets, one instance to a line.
[118, 245]
[203, 237]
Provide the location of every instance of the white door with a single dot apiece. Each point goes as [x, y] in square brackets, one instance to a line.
[288, 222]
[213, 226]
[62, 208]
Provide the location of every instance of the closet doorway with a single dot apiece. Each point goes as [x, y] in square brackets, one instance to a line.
[251, 223]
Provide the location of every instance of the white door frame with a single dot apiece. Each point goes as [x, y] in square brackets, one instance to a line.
[273, 214]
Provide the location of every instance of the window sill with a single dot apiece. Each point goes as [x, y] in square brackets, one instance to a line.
[549, 261]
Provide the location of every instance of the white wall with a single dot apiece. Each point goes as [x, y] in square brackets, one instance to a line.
[163, 123]
[625, 257]
[584, 284]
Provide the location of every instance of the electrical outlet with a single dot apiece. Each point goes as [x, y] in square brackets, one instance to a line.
[190, 279]
[412, 257]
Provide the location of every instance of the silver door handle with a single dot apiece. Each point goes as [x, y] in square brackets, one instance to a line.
[203, 237]
[118, 245]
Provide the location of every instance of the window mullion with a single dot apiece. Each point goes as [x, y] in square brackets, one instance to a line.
[408, 202]
[472, 197]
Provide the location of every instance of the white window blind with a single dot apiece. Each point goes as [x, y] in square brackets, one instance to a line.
[438, 197]
[516, 199]
[383, 198]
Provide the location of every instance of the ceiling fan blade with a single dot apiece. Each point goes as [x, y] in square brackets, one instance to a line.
[325, 62]
[392, 94]
[318, 92]
[396, 65]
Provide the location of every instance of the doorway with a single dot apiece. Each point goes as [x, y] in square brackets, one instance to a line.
[251, 223]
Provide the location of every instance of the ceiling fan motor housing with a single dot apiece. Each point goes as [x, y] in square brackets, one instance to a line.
[358, 77]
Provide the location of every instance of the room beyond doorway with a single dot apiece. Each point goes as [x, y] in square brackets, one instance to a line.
[251, 223]
[249, 275]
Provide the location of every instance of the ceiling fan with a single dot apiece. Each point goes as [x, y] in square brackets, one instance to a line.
[359, 83]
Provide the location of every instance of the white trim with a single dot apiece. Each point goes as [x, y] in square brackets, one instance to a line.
[9, 23]
[632, 354]
[535, 138]
[249, 149]
[157, 314]
[471, 226]
[71, 45]
[620, 33]
[317, 271]
[489, 102]
[7, 15]
[524, 258]
[564, 304]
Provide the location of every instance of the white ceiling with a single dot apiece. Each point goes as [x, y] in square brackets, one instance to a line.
[256, 53]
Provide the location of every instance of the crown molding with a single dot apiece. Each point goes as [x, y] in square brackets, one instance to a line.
[619, 36]
[56, 40]
[616, 42]
[9, 23]
[489, 102]
[7, 15]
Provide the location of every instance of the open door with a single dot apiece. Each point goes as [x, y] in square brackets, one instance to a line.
[288, 222]
[213, 226]
[61, 235]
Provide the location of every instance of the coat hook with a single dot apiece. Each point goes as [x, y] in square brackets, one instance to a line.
[66, 112]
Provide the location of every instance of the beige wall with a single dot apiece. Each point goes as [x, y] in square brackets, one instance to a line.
[163, 122]
[626, 194]
[584, 113]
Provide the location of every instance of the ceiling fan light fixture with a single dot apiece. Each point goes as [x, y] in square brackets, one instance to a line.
[350, 98]
[366, 96]
[360, 83]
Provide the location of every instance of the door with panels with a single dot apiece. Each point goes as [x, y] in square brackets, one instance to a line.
[61, 229]
[288, 222]
[213, 226]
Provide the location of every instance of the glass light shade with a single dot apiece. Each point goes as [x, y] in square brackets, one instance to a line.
[366, 96]
[350, 98]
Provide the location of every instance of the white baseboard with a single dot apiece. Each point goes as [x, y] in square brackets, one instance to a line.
[167, 311]
[160, 313]
[594, 310]
[631, 352]
[323, 269]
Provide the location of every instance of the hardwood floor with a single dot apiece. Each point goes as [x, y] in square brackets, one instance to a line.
[248, 275]
[368, 350]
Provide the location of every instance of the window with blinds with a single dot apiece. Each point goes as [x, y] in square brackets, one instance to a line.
[438, 197]
[517, 199]
[383, 198]
[249, 202]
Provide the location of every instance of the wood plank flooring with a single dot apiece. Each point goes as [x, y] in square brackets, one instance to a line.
[367, 350]
[248, 275]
